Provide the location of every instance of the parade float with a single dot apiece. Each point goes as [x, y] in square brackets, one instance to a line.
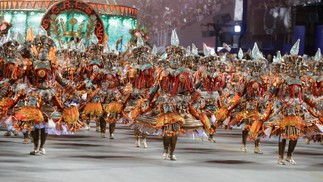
[71, 20]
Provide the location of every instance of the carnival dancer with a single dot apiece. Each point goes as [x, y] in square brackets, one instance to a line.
[12, 74]
[26, 56]
[42, 102]
[211, 80]
[92, 102]
[229, 94]
[175, 86]
[111, 87]
[142, 60]
[146, 108]
[314, 100]
[251, 113]
[289, 90]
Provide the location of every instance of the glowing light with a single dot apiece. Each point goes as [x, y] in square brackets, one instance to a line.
[237, 28]
[114, 21]
[7, 16]
[127, 23]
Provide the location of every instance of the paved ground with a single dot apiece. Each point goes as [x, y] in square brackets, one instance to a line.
[87, 157]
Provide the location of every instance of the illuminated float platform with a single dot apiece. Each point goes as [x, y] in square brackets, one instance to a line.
[63, 19]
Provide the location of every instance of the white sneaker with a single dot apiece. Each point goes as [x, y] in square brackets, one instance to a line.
[25, 141]
[42, 151]
[244, 149]
[280, 161]
[291, 160]
[144, 143]
[87, 127]
[103, 135]
[258, 151]
[137, 143]
[164, 156]
[172, 157]
[111, 136]
[211, 140]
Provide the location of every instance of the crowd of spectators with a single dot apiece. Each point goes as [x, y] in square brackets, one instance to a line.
[169, 14]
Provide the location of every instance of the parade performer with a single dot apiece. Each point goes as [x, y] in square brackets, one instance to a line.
[92, 98]
[175, 87]
[12, 75]
[142, 60]
[211, 80]
[42, 101]
[111, 85]
[290, 119]
[26, 56]
[253, 110]
[314, 100]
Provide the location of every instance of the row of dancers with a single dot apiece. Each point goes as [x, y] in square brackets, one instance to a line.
[45, 89]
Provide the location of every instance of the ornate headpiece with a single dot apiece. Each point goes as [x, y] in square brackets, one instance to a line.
[239, 63]
[318, 64]
[258, 64]
[210, 56]
[175, 48]
[141, 48]
[276, 65]
[191, 60]
[42, 40]
[43, 46]
[294, 65]
[95, 47]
